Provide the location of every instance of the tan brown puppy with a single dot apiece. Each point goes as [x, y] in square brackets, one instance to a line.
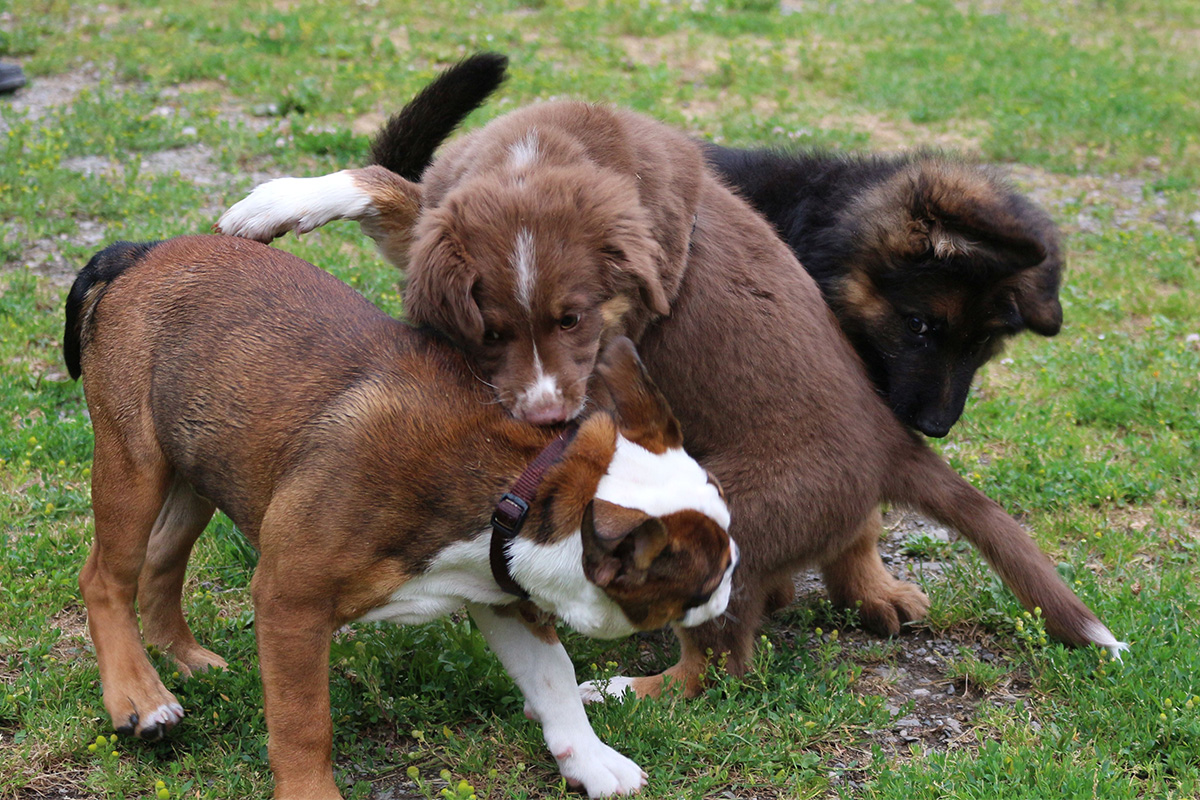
[774, 400]
[362, 458]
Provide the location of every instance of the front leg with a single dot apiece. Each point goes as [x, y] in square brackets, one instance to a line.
[383, 203]
[546, 677]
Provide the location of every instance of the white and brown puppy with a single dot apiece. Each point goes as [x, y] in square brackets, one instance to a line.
[363, 459]
[534, 239]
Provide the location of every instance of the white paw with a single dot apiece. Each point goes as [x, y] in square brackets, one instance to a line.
[168, 715]
[600, 770]
[608, 689]
[293, 204]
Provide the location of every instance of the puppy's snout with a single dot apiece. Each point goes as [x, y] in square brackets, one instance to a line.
[551, 414]
[543, 403]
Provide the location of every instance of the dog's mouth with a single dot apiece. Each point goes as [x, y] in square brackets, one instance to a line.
[545, 408]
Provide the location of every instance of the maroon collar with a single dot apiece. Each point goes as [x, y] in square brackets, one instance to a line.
[513, 507]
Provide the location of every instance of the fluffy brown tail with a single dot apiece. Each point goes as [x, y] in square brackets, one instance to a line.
[932, 487]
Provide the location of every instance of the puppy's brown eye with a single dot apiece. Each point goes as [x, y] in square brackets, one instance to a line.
[568, 321]
[917, 325]
[491, 336]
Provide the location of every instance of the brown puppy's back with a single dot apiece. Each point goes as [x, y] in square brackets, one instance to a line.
[810, 450]
[347, 349]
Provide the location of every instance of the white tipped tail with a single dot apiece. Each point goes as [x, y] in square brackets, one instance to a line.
[1103, 637]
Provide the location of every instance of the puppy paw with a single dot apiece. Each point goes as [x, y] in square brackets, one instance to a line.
[892, 605]
[150, 725]
[293, 204]
[600, 770]
[193, 660]
[608, 689]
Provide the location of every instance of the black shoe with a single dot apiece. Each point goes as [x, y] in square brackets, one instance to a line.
[11, 78]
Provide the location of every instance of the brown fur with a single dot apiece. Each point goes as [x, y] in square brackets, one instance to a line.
[774, 400]
[349, 448]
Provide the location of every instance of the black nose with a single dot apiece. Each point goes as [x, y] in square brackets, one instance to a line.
[935, 427]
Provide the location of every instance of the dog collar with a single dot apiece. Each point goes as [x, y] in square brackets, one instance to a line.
[509, 515]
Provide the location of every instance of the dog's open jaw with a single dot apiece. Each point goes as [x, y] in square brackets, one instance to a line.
[657, 484]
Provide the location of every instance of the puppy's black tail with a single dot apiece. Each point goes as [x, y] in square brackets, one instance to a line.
[89, 287]
[929, 485]
[407, 142]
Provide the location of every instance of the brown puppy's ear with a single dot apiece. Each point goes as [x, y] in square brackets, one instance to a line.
[395, 205]
[619, 541]
[440, 288]
[643, 412]
[633, 251]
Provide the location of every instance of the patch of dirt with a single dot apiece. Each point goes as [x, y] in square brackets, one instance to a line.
[43, 93]
[193, 162]
[930, 710]
[64, 784]
[1095, 203]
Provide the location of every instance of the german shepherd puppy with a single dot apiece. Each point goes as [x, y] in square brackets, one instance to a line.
[930, 264]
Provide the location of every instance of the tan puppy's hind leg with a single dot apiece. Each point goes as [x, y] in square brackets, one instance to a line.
[183, 518]
[127, 495]
[856, 578]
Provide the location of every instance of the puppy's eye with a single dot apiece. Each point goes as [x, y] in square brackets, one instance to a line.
[568, 321]
[917, 325]
[491, 336]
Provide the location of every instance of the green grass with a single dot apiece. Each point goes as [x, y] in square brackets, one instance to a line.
[1092, 437]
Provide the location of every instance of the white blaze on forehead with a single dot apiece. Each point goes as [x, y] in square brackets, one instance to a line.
[525, 152]
[524, 268]
[660, 484]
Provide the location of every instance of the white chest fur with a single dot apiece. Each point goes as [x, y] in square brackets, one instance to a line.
[460, 574]
[552, 573]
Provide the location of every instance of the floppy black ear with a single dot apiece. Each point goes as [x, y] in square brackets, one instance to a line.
[440, 288]
[642, 410]
[619, 541]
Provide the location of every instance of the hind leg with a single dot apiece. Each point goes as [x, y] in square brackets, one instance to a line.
[182, 519]
[856, 578]
[127, 495]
